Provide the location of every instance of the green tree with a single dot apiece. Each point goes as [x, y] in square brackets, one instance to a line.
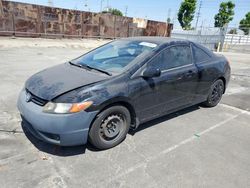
[225, 14]
[113, 11]
[186, 13]
[245, 24]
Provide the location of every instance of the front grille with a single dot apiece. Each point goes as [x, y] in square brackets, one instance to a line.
[36, 100]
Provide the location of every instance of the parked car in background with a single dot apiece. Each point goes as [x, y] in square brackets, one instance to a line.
[99, 96]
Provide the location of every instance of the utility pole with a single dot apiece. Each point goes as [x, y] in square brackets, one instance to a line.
[126, 10]
[198, 14]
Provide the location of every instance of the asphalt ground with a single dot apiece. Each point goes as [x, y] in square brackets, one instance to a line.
[196, 147]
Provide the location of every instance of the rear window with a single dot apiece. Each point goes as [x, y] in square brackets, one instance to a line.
[200, 55]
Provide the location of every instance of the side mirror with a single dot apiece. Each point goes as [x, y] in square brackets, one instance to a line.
[151, 72]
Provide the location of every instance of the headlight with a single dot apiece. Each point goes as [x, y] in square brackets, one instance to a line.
[66, 108]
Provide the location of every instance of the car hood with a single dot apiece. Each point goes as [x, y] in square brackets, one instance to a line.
[60, 79]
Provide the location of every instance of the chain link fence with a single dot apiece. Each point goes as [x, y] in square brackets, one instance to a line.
[217, 39]
[207, 36]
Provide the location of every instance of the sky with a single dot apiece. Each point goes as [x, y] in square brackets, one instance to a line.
[155, 10]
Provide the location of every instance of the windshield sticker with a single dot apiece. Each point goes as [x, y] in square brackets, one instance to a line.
[148, 44]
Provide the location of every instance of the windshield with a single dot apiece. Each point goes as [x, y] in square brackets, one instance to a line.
[115, 56]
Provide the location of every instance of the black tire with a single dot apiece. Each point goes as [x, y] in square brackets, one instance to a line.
[215, 94]
[110, 127]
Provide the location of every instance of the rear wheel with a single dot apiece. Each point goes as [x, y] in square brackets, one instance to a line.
[215, 93]
[110, 127]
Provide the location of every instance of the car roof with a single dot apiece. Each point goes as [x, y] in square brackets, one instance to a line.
[157, 40]
[162, 41]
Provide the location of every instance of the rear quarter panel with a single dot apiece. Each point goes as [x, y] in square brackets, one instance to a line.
[209, 72]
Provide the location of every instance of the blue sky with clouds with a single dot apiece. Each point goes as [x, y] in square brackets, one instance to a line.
[150, 9]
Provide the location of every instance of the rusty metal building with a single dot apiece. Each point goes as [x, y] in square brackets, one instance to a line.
[21, 19]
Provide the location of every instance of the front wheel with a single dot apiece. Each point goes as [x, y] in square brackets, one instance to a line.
[215, 93]
[110, 127]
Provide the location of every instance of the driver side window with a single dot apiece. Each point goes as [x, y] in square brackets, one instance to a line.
[172, 57]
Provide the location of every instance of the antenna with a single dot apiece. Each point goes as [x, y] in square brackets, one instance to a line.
[198, 14]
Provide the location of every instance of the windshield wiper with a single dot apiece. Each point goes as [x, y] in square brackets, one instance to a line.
[85, 66]
[100, 70]
[77, 65]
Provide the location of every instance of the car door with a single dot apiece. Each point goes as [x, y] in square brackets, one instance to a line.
[144, 93]
[180, 77]
[173, 89]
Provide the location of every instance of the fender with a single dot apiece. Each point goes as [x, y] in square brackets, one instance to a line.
[121, 100]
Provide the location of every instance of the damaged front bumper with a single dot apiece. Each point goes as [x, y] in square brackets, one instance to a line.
[59, 129]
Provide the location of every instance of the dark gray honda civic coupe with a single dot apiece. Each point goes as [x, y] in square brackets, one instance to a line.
[99, 96]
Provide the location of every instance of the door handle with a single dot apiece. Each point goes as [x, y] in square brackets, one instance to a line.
[190, 73]
[187, 74]
[180, 77]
